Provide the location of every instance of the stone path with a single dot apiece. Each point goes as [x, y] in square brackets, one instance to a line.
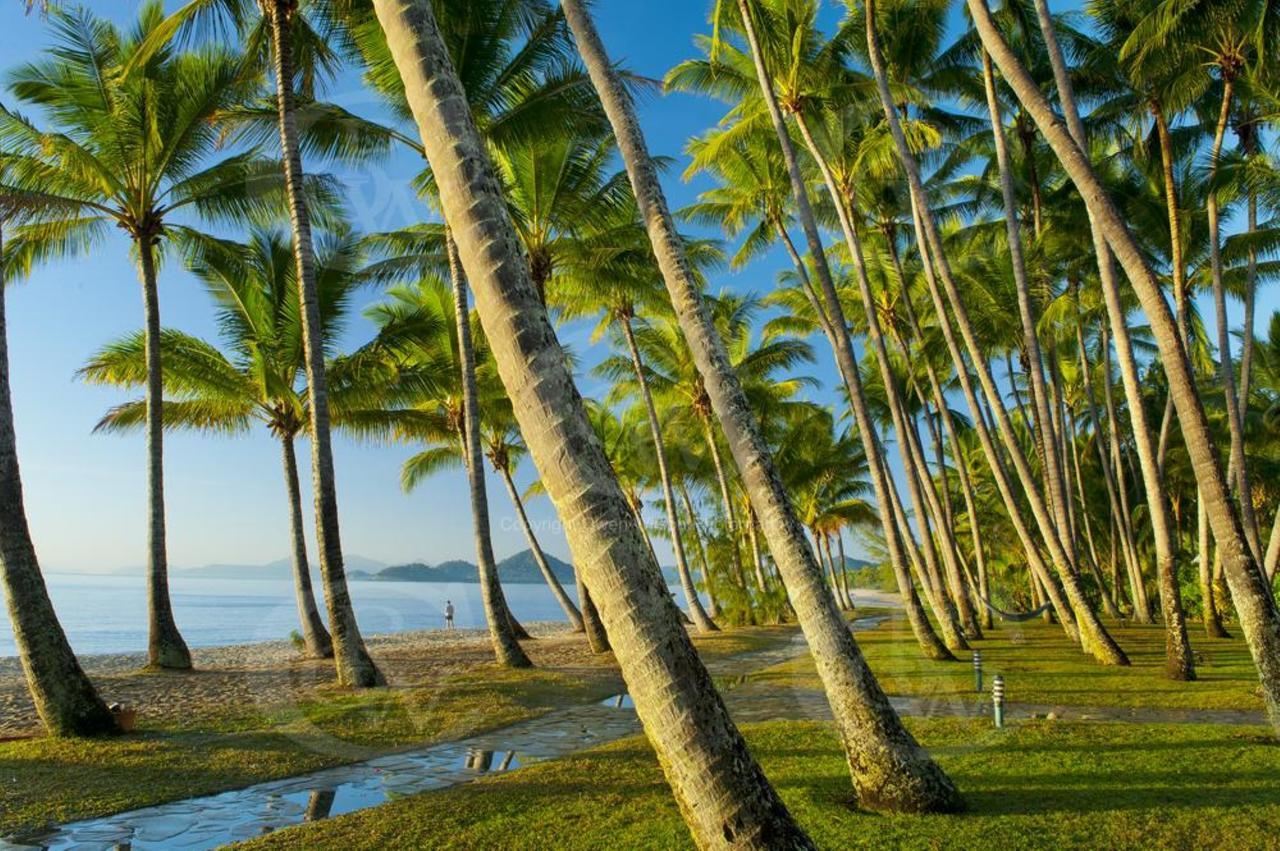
[210, 821]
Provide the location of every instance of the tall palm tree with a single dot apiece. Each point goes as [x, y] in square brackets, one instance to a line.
[131, 150]
[254, 286]
[723, 793]
[64, 698]
[274, 31]
[1255, 605]
[531, 102]
[1094, 635]
[889, 767]
[421, 330]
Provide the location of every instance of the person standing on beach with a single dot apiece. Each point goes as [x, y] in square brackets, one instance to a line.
[448, 614]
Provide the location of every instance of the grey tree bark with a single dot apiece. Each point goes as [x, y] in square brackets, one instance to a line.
[699, 615]
[165, 646]
[570, 610]
[502, 627]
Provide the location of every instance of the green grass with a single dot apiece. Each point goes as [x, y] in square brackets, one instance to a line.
[1040, 665]
[1035, 785]
[49, 781]
[46, 780]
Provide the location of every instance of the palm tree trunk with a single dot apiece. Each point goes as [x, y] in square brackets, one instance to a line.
[165, 647]
[713, 606]
[1179, 664]
[65, 699]
[699, 615]
[889, 769]
[1096, 639]
[757, 557]
[843, 572]
[955, 639]
[570, 610]
[1118, 492]
[354, 665]
[831, 314]
[724, 796]
[1208, 602]
[1043, 419]
[314, 635]
[1237, 469]
[1259, 617]
[730, 520]
[502, 628]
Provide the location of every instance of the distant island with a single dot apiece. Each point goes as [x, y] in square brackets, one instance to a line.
[517, 569]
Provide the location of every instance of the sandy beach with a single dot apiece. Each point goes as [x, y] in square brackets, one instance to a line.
[273, 673]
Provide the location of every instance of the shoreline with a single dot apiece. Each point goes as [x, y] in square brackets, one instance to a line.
[258, 654]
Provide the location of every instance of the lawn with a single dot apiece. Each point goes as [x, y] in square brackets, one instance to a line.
[48, 781]
[1041, 666]
[1033, 785]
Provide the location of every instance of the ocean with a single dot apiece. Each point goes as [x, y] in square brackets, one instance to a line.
[108, 614]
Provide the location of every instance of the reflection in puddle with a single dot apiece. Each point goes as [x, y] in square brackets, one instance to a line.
[319, 803]
[618, 701]
[484, 761]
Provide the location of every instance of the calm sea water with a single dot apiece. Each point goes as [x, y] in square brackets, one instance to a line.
[107, 614]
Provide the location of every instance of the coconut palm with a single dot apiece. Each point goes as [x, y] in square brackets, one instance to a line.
[64, 698]
[254, 286]
[1094, 635]
[722, 790]
[295, 42]
[131, 151]
[889, 767]
[421, 329]
[1255, 605]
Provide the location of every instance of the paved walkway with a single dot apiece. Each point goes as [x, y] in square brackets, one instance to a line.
[210, 821]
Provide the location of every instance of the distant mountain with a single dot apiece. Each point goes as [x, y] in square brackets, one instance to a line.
[519, 569]
[852, 563]
[279, 569]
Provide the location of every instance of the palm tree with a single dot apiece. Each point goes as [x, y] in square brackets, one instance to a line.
[131, 151]
[254, 286]
[504, 447]
[1255, 605]
[539, 116]
[274, 30]
[722, 791]
[421, 331]
[64, 698]
[889, 767]
[1094, 635]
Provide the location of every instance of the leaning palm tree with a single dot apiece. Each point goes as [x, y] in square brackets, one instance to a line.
[254, 286]
[1255, 605]
[723, 793]
[131, 151]
[64, 698]
[889, 768]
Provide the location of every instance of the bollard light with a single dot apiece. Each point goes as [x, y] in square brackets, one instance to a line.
[997, 700]
[977, 671]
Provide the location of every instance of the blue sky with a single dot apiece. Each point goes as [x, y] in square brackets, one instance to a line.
[86, 493]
